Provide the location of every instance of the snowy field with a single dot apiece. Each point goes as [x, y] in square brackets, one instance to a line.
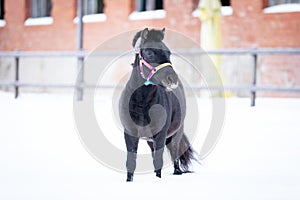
[41, 155]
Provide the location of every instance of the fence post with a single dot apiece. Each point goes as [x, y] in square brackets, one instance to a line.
[17, 60]
[80, 78]
[80, 67]
[254, 74]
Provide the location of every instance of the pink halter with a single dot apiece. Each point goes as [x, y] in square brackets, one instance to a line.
[153, 69]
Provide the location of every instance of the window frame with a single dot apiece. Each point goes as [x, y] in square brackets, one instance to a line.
[229, 3]
[42, 18]
[40, 8]
[94, 9]
[2, 10]
[2, 13]
[284, 7]
[97, 16]
[279, 3]
[156, 12]
[225, 10]
[148, 5]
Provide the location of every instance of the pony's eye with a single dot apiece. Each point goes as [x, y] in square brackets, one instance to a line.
[149, 52]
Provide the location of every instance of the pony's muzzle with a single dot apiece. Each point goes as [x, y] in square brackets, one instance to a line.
[170, 82]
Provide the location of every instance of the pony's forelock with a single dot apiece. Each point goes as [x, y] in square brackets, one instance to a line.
[153, 35]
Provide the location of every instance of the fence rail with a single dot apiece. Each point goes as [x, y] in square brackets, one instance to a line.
[80, 55]
[251, 51]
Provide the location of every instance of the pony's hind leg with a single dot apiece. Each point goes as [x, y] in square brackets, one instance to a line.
[150, 144]
[172, 144]
[132, 146]
[177, 170]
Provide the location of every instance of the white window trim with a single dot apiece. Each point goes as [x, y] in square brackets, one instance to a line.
[93, 18]
[150, 14]
[39, 21]
[225, 11]
[2, 23]
[283, 8]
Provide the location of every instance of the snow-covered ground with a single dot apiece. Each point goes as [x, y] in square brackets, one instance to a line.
[41, 156]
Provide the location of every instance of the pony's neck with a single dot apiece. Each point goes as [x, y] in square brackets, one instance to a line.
[136, 80]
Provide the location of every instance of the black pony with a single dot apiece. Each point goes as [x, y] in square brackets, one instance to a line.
[153, 106]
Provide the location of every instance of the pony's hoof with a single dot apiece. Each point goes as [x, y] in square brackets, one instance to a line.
[177, 172]
[129, 177]
[158, 173]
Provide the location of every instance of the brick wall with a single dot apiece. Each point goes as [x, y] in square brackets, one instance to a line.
[61, 35]
[247, 27]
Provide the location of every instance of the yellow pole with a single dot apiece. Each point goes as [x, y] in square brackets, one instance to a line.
[211, 33]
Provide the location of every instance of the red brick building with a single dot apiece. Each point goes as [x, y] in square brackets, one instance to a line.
[248, 25]
[33, 25]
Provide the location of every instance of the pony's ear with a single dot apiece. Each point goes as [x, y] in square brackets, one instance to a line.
[145, 33]
[137, 46]
[163, 31]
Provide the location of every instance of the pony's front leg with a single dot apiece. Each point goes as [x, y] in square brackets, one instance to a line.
[159, 144]
[132, 146]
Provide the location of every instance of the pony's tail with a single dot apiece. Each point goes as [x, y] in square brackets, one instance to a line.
[187, 154]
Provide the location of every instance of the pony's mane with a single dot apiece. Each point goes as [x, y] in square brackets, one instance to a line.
[153, 35]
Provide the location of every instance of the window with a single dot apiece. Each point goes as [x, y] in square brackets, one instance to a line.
[148, 9]
[277, 2]
[147, 5]
[226, 9]
[281, 6]
[91, 7]
[225, 2]
[40, 8]
[39, 12]
[1, 9]
[92, 11]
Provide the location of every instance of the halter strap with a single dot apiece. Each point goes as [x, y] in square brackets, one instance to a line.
[152, 68]
[162, 66]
